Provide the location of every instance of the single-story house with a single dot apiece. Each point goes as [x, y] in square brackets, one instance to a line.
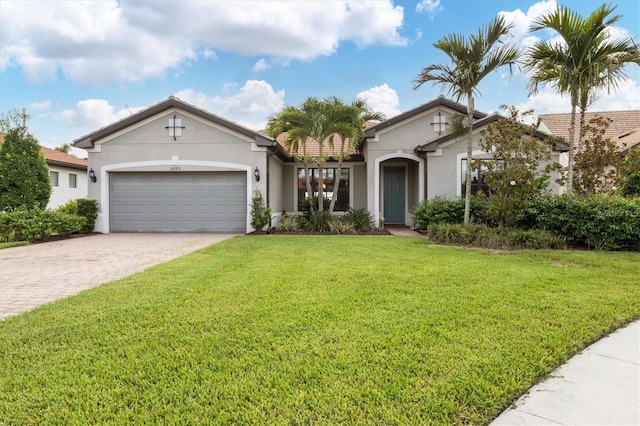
[68, 176]
[174, 167]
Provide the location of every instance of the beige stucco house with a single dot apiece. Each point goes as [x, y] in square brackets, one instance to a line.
[174, 167]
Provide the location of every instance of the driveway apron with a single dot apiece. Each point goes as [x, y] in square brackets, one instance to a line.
[41, 273]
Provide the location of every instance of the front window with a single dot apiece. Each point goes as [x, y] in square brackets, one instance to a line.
[73, 180]
[478, 178]
[53, 177]
[342, 203]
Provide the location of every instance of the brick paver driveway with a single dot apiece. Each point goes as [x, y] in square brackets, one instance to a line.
[40, 273]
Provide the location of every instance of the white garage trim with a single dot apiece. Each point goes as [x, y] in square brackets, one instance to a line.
[102, 222]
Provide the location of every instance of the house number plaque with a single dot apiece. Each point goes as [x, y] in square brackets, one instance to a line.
[175, 168]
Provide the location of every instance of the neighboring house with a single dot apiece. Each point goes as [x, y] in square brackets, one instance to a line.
[68, 175]
[174, 167]
[624, 129]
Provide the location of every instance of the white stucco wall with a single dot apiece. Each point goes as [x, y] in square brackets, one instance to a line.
[62, 193]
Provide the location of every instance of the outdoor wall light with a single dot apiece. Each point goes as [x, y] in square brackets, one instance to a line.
[256, 173]
[92, 175]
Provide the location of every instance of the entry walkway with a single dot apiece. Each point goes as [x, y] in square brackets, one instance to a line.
[41, 273]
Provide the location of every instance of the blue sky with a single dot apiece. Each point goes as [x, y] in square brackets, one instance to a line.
[77, 67]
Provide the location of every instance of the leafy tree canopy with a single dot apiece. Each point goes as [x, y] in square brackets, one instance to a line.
[24, 175]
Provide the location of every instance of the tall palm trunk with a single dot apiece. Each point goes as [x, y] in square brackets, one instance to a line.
[572, 139]
[337, 176]
[467, 178]
[307, 175]
[320, 188]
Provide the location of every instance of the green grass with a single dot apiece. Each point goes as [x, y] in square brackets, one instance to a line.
[313, 330]
[13, 244]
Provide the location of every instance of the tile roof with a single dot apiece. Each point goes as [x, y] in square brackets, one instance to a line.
[629, 140]
[57, 158]
[313, 147]
[622, 123]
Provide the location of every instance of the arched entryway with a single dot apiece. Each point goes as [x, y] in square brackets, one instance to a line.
[399, 186]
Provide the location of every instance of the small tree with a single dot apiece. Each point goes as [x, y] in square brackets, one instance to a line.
[24, 175]
[597, 165]
[518, 168]
[260, 213]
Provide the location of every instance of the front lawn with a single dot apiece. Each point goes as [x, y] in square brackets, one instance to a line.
[313, 330]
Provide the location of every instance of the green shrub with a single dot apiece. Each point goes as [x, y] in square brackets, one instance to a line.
[36, 224]
[494, 238]
[631, 185]
[319, 221]
[604, 223]
[360, 218]
[88, 209]
[288, 223]
[448, 233]
[70, 207]
[83, 207]
[308, 206]
[338, 225]
[444, 210]
[260, 213]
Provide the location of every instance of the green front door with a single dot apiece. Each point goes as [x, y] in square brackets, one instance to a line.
[394, 195]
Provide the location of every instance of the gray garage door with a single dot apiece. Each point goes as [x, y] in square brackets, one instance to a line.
[178, 202]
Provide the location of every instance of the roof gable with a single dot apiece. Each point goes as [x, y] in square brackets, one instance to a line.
[485, 121]
[88, 141]
[440, 101]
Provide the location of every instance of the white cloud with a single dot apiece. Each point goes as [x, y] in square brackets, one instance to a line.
[261, 65]
[521, 22]
[40, 106]
[381, 99]
[209, 54]
[547, 101]
[92, 113]
[101, 42]
[428, 6]
[250, 107]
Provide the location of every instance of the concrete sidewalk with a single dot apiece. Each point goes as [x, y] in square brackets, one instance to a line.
[41, 273]
[600, 386]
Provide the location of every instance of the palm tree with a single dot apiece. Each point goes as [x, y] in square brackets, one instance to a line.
[296, 124]
[350, 120]
[473, 59]
[315, 121]
[587, 60]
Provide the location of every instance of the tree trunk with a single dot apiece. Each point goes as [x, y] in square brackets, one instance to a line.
[320, 189]
[307, 177]
[467, 178]
[336, 180]
[581, 130]
[572, 135]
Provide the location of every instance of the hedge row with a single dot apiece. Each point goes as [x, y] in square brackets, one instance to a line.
[603, 223]
[37, 224]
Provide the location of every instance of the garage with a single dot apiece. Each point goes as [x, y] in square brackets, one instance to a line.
[178, 202]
